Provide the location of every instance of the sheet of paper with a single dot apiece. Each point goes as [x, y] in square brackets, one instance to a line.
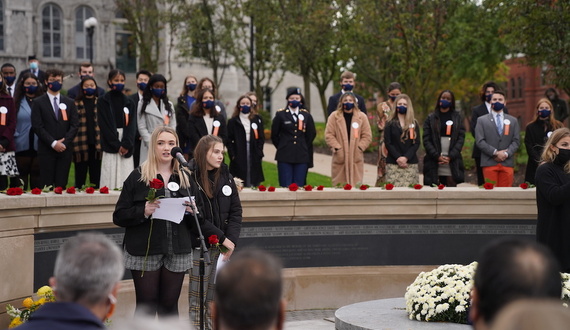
[171, 209]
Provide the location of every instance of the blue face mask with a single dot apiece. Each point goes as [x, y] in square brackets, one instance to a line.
[1, 84]
[30, 89]
[141, 86]
[488, 97]
[34, 65]
[245, 109]
[347, 87]
[10, 80]
[544, 113]
[497, 106]
[392, 98]
[54, 86]
[445, 104]
[402, 109]
[294, 104]
[118, 87]
[208, 104]
[158, 92]
[89, 91]
[191, 87]
[348, 105]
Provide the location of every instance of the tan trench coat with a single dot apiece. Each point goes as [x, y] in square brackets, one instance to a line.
[348, 160]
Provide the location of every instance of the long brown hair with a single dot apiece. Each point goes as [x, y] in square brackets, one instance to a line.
[253, 111]
[198, 107]
[203, 148]
[551, 123]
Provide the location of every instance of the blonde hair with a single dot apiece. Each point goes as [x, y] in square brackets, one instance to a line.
[201, 151]
[548, 154]
[149, 168]
[408, 120]
[339, 110]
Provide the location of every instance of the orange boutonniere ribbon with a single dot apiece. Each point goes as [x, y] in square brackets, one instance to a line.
[216, 128]
[355, 128]
[63, 111]
[300, 122]
[412, 132]
[254, 128]
[448, 124]
[126, 111]
[3, 113]
[166, 120]
[507, 127]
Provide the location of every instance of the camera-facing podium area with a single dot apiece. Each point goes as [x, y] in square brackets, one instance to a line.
[338, 247]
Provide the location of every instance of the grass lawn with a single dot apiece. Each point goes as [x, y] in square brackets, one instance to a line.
[271, 178]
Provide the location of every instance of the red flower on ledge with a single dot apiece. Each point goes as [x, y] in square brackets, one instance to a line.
[320, 187]
[524, 185]
[441, 186]
[488, 185]
[71, 190]
[89, 190]
[389, 186]
[418, 186]
[293, 187]
[308, 187]
[58, 190]
[36, 191]
[271, 189]
[347, 186]
[104, 190]
[14, 191]
[364, 187]
[262, 188]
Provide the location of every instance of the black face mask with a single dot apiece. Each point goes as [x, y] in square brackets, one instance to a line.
[563, 157]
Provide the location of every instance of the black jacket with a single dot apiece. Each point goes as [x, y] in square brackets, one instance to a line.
[553, 226]
[221, 214]
[48, 128]
[333, 103]
[293, 145]
[396, 147]
[182, 113]
[432, 145]
[129, 213]
[534, 139]
[197, 129]
[109, 109]
[237, 149]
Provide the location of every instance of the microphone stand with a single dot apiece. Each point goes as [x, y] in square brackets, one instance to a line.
[204, 255]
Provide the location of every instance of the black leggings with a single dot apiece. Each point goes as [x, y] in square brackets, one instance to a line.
[157, 292]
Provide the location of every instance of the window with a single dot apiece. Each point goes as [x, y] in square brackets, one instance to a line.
[521, 86]
[82, 45]
[1, 25]
[125, 45]
[513, 88]
[51, 31]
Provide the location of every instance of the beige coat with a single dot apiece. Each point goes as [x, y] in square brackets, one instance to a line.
[348, 159]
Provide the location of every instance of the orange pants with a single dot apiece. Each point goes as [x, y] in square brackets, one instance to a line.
[502, 175]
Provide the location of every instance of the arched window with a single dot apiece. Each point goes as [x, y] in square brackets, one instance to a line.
[52, 31]
[521, 87]
[82, 45]
[513, 88]
[1, 25]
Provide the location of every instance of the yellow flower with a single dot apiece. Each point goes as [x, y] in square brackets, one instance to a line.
[40, 302]
[45, 290]
[28, 302]
[15, 322]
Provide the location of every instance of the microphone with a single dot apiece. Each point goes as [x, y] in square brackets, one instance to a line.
[176, 152]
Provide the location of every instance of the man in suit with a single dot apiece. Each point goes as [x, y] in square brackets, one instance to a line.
[347, 84]
[55, 122]
[9, 73]
[498, 138]
[478, 111]
[85, 70]
[34, 65]
[143, 76]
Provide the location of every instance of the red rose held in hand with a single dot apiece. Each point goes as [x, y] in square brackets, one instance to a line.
[271, 188]
[58, 190]
[293, 187]
[156, 184]
[104, 190]
[213, 239]
[90, 190]
[488, 185]
[389, 186]
[36, 191]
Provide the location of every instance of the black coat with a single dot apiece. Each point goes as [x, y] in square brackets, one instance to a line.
[48, 128]
[182, 113]
[109, 109]
[221, 214]
[432, 145]
[553, 226]
[197, 129]
[534, 140]
[396, 147]
[293, 145]
[129, 213]
[237, 149]
[333, 103]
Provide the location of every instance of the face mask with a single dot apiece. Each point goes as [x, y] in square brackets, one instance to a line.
[488, 97]
[402, 109]
[191, 87]
[10, 80]
[117, 87]
[563, 156]
[551, 97]
[348, 105]
[208, 104]
[89, 91]
[141, 86]
[54, 86]
[245, 109]
[544, 113]
[445, 104]
[34, 65]
[30, 89]
[158, 92]
[497, 106]
[392, 98]
[347, 87]
[294, 104]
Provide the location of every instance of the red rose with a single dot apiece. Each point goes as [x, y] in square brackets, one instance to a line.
[308, 187]
[524, 185]
[213, 239]
[58, 190]
[156, 184]
[488, 185]
[363, 187]
[104, 190]
[271, 188]
[293, 187]
[36, 191]
[389, 186]
[262, 188]
[320, 187]
[89, 190]
[418, 186]
[14, 191]
[440, 187]
[347, 187]
[71, 190]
